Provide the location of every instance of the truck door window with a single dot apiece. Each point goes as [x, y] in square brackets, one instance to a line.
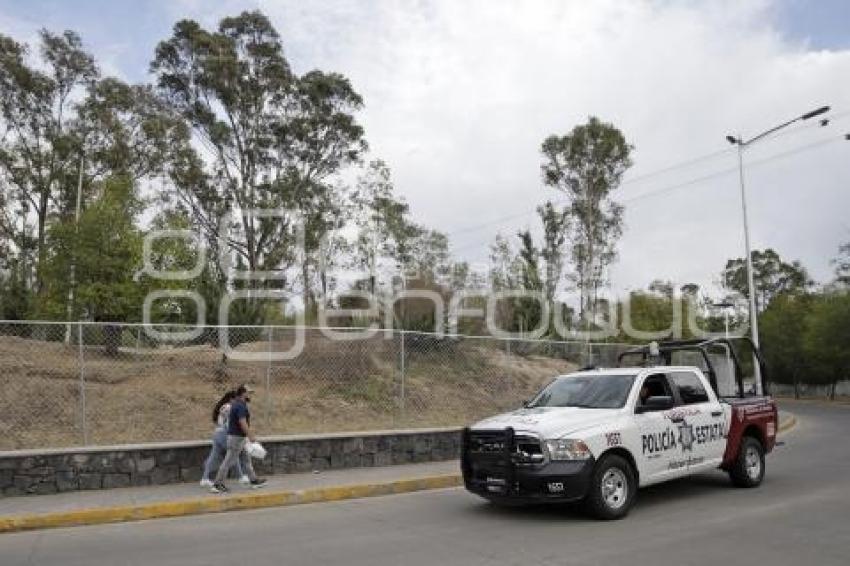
[690, 387]
[654, 385]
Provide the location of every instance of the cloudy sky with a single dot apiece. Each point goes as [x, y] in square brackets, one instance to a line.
[459, 95]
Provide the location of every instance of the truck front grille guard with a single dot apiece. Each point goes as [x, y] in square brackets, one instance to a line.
[516, 450]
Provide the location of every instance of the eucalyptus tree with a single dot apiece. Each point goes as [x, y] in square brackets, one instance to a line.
[528, 309]
[263, 138]
[379, 217]
[65, 132]
[587, 165]
[38, 150]
[556, 225]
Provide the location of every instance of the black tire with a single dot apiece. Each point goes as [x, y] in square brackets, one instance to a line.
[623, 476]
[748, 469]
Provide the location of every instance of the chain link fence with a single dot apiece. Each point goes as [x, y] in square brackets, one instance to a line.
[103, 384]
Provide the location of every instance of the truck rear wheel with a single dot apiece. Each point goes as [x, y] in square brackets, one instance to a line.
[612, 488]
[748, 469]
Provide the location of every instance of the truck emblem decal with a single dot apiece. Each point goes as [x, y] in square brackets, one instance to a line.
[686, 436]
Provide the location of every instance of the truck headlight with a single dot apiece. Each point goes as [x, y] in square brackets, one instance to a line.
[567, 449]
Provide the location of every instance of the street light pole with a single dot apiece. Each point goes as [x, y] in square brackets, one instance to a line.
[754, 321]
[741, 144]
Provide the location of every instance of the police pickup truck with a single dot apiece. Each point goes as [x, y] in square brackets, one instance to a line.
[597, 435]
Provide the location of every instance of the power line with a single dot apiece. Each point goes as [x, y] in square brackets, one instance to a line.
[690, 182]
[633, 180]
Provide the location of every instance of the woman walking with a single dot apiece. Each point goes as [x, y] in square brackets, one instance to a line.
[221, 417]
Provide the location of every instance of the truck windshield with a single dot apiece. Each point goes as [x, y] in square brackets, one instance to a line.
[597, 391]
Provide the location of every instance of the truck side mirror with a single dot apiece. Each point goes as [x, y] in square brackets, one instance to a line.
[655, 403]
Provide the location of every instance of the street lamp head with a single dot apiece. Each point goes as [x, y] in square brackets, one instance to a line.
[733, 140]
[813, 113]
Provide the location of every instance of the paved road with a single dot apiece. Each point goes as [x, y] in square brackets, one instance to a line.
[800, 515]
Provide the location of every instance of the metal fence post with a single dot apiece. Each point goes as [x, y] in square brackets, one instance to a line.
[269, 382]
[81, 361]
[402, 376]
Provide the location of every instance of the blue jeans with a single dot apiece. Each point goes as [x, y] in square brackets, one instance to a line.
[217, 453]
[235, 452]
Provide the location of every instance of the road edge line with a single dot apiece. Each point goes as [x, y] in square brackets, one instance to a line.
[221, 504]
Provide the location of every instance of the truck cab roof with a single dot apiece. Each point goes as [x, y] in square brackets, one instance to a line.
[635, 371]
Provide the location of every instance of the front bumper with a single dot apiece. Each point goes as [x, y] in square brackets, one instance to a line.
[499, 477]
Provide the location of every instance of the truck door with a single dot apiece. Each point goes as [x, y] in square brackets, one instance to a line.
[700, 420]
[657, 445]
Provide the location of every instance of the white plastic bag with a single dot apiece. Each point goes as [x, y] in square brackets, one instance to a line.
[255, 450]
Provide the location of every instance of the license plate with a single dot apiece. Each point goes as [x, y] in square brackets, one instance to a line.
[495, 485]
[556, 487]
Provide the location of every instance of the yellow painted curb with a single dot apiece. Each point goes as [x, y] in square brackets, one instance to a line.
[788, 424]
[222, 503]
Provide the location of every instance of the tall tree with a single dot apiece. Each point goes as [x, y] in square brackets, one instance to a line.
[586, 165]
[38, 151]
[771, 276]
[106, 245]
[127, 130]
[271, 139]
[505, 275]
[378, 217]
[556, 226]
[430, 257]
[528, 310]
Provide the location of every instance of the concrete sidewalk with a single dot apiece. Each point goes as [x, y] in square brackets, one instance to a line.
[114, 505]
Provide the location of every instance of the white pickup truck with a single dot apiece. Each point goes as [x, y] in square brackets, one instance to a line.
[598, 435]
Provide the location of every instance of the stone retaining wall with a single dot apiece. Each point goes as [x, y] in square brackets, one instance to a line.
[50, 471]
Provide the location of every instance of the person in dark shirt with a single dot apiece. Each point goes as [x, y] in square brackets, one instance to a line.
[238, 434]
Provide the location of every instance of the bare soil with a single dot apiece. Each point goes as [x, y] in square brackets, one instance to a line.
[167, 393]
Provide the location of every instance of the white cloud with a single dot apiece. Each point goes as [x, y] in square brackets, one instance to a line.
[460, 94]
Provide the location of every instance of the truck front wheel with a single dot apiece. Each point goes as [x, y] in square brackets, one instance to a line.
[612, 488]
[748, 469]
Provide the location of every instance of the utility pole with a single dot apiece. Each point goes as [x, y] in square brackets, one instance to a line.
[72, 276]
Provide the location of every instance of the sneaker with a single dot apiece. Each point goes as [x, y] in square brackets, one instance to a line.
[219, 488]
[244, 480]
[258, 483]
[206, 483]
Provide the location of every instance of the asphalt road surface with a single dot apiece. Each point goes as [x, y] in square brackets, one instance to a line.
[799, 516]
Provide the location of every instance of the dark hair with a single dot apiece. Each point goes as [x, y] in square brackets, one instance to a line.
[227, 398]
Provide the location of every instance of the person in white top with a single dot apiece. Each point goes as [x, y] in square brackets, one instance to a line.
[220, 416]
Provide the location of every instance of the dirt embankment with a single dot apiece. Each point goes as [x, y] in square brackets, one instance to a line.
[146, 394]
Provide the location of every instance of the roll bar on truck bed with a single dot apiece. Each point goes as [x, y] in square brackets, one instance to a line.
[737, 352]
